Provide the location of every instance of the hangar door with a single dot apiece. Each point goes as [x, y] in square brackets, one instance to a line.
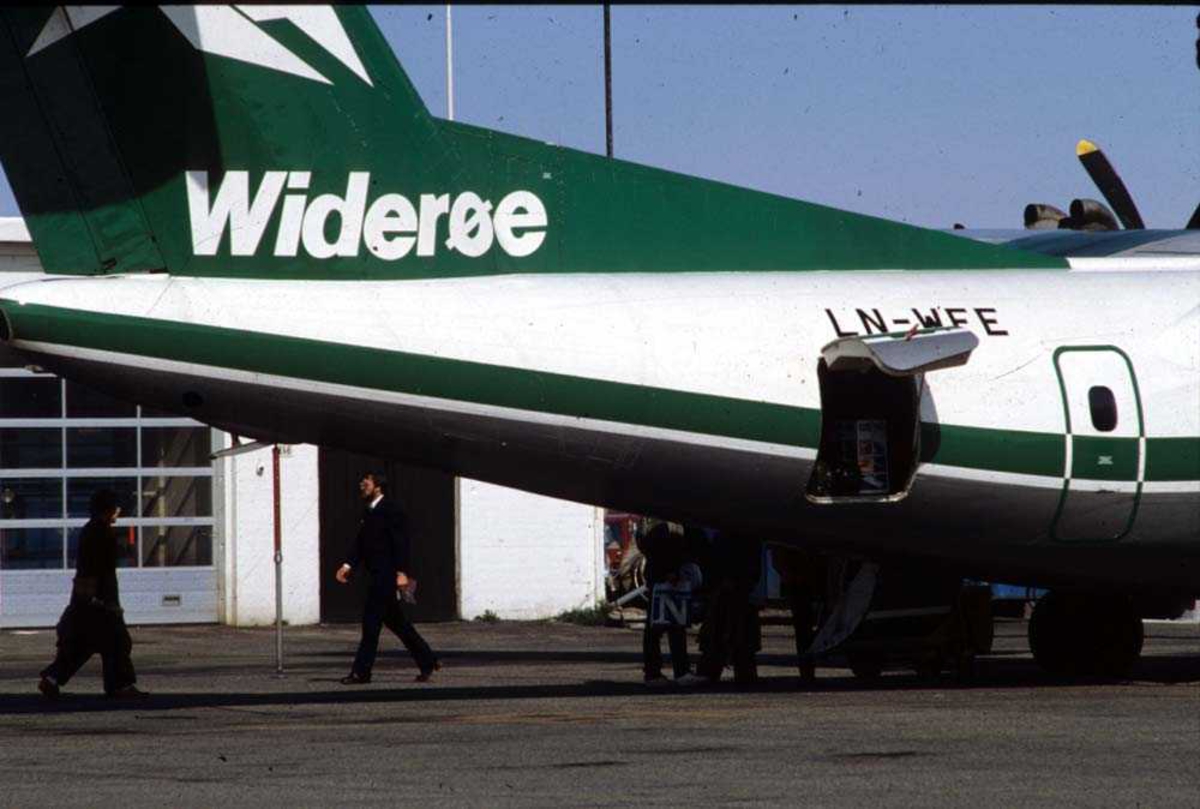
[59, 443]
[1105, 444]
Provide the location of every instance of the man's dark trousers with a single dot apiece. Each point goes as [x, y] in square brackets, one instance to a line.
[86, 629]
[652, 649]
[384, 609]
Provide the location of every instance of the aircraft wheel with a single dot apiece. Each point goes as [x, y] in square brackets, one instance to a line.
[1072, 634]
[1119, 639]
[930, 668]
[965, 668]
[1050, 638]
[865, 666]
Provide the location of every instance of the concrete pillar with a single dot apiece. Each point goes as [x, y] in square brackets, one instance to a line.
[245, 562]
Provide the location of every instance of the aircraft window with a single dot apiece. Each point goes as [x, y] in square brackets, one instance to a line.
[1104, 408]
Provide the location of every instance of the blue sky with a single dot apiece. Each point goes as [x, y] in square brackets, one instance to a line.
[927, 115]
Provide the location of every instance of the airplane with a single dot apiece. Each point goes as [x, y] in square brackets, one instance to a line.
[252, 219]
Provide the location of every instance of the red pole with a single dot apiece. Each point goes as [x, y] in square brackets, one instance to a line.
[278, 563]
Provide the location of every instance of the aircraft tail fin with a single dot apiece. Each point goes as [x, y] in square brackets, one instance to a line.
[183, 148]
[287, 142]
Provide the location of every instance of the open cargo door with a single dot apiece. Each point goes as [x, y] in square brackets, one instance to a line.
[871, 412]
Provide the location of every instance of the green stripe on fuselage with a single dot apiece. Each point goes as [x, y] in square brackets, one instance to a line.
[417, 374]
[1015, 451]
[1174, 459]
[1104, 458]
[1001, 451]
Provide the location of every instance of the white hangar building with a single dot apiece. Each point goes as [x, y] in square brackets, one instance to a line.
[198, 534]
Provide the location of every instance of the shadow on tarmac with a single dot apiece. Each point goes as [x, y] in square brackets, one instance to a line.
[992, 673]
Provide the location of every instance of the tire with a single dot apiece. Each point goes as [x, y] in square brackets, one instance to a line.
[1049, 639]
[865, 666]
[930, 668]
[1073, 634]
[965, 668]
[1120, 642]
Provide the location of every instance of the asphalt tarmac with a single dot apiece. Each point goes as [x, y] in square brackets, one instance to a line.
[549, 714]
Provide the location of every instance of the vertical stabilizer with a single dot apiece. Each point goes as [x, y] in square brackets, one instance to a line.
[185, 148]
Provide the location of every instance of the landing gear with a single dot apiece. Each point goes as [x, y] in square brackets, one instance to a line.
[865, 665]
[1073, 634]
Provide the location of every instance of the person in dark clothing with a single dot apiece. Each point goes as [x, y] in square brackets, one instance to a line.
[803, 575]
[664, 552]
[731, 631]
[93, 621]
[381, 547]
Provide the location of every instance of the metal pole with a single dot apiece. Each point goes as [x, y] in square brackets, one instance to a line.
[607, 83]
[449, 66]
[278, 565]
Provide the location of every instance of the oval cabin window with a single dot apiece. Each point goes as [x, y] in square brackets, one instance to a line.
[1104, 408]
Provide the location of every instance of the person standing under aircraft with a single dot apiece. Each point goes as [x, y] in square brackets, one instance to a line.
[93, 620]
[746, 554]
[382, 547]
[664, 552]
[731, 630]
[802, 573]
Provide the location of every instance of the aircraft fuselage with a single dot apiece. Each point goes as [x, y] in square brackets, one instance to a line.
[695, 397]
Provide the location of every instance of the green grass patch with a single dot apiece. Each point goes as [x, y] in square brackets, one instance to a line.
[596, 615]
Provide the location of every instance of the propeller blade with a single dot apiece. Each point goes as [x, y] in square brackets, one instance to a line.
[1109, 182]
[1194, 222]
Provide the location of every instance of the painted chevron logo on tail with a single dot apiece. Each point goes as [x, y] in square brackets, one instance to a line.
[232, 32]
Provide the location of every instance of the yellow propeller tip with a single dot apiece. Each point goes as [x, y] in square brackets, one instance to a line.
[1085, 147]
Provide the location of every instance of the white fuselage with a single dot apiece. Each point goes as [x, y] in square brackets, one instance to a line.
[751, 337]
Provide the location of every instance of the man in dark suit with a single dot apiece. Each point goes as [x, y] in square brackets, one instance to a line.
[382, 548]
[94, 621]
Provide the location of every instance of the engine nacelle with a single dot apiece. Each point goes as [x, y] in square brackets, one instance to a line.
[1090, 214]
[1039, 216]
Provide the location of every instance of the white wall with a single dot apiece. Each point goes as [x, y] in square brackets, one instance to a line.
[520, 555]
[246, 556]
[523, 556]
